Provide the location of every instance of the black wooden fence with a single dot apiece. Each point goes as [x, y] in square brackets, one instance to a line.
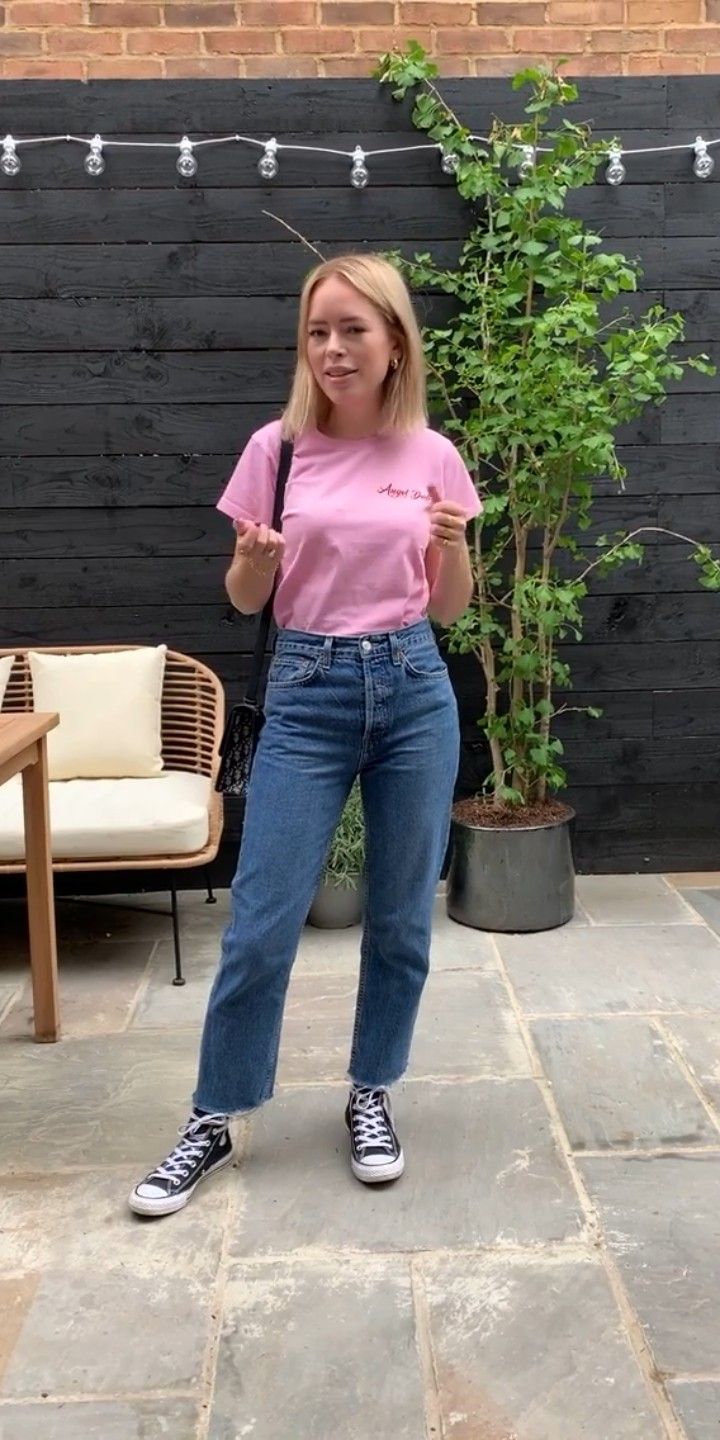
[146, 327]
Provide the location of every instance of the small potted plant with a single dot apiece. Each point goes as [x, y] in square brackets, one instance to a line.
[532, 376]
[338, 901]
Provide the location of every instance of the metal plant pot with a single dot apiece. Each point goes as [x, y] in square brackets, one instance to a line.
[516, 879]
[336, 907]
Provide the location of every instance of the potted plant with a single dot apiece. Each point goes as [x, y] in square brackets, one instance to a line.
[338, 901]
[533, 378]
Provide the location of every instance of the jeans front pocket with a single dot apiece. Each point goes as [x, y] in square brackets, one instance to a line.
[293, 667]
[424, 662]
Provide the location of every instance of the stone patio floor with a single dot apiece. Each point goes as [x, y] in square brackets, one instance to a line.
[547, 1269]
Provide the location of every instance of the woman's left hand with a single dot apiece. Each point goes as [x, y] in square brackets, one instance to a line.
[448, 522]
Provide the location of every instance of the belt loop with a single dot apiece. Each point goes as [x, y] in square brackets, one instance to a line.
[327, 652]
[395, 647]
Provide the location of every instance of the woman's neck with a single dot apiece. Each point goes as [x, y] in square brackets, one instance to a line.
[351, 427]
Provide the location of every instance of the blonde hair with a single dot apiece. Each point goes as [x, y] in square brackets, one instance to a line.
[404, 389]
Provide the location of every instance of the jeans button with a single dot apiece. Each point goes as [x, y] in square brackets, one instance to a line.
[366, 646]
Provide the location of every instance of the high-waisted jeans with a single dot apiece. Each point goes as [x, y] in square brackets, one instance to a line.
[381, 707]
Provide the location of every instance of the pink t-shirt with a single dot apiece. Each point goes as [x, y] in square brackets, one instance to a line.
[356, 523]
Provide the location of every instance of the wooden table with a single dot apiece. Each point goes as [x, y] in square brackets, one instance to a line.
[23, 749]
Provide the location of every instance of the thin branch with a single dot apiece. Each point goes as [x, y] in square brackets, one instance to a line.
[643, 530]
[310, 246]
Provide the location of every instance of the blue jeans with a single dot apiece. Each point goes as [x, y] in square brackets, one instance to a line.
[381, 707]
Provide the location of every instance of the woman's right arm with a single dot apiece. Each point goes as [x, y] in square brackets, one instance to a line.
[258, 554]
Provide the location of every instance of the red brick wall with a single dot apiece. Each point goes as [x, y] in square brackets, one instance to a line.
[101, 39]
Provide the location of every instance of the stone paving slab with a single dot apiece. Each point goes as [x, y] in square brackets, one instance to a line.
[161, 1419]
[707, 904]
[321, 952]
[608, 968]
[661, 1217]
[98, 984]
[9, 992]
[321, 1348]
[631, 900]
[698, 1405]
[616, 1084]
[106, 1100]
[532, 1348]
[699, 1042]
[119, 1305]
[482, 1169]
[466, 1027]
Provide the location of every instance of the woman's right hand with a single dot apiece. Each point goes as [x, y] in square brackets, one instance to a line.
[262, 547]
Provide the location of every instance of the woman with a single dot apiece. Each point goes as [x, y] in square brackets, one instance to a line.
[372, 543]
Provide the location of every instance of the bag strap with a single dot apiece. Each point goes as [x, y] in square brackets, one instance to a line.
[284, 463]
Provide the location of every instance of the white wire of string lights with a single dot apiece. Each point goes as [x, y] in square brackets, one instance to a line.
[268, 165]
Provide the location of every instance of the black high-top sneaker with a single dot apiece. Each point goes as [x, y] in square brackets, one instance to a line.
[205, 1146]
[376, 1152]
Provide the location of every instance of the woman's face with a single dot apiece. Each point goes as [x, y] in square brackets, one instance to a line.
[349, 345]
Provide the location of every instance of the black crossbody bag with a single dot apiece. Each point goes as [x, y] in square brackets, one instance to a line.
[245, 721]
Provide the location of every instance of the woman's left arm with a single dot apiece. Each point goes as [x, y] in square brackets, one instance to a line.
[447, 562]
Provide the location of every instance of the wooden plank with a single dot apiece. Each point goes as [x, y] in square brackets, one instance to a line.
[690, 420]
[308, 106]
[222, 215]
[680, 713]
[200, 377]
[188, 479]
[219, 215]
[183, 378]
[701, 310]
[627, 620]
[67, 271]
[660, 665]
[87, 534]
[160, 324]
[170, 579]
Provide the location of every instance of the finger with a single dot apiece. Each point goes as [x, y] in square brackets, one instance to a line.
[247, 537]
[434, 494]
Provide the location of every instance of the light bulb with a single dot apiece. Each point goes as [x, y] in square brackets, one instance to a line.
[449, 162]
[186, 164]
[528, 163]
[359, 175]
[616, 172]
[94, 162]
[10, 162]
[703, 164]
[268, 162]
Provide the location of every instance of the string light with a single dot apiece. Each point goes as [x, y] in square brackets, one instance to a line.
[703, 163]
[359, 175]
[616, 172]
[10, 164]
[268, 162]
[186, 164]
[528, 163]
[94, 161]
[449, 163]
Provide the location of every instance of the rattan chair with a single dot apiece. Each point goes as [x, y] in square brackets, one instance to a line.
[192, 716]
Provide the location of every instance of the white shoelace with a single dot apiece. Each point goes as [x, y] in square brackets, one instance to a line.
[191, 1148]
[370, 1122]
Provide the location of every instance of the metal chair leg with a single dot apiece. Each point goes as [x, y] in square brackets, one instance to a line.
[178, 978]
[211, 898]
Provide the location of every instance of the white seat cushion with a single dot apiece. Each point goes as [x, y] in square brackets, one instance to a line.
[109, 819]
